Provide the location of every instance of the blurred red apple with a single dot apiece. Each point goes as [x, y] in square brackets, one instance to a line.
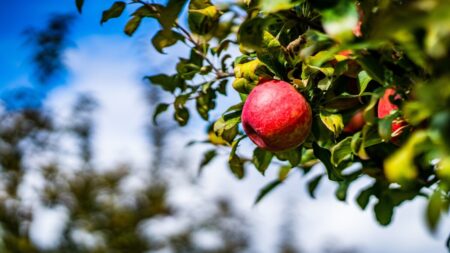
[385, 107]
[355, 123]
[276, 116]
[357, 29]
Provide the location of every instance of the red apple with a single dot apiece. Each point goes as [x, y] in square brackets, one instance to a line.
[276, 116]
[355, 123]
[385, 107]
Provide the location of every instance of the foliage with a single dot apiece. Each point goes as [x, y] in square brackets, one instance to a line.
[342, 56]
[95, 201]
[48, 46]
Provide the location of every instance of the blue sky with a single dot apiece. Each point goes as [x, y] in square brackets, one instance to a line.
[110, 65]
[17, 16]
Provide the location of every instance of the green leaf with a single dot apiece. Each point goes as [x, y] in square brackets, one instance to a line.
[385, 127]
[363, 80]
[148, 10]
[261, 159]
[222, 88]
[294, 156]
[236, 166]
[181, 115]
[235, 163]
[226, 129]
[267, 189]
[364, 197]
[384, 209]
[251, 32]
[208, 156]
[333, 121]
[165, 38]
[168, 83]
[205, 101]
[170, 13]
[132, 25]
[276, 5]
[79, 4]
[312, 185]
[341, 151]
[434, 210]
[324, 155]
[283, 172]
[400, 166]
[203, 17]
[341, 191]
[416, 112]
[113, 12]
[272, 55]
[187, 68]
[373, 68]
[162, 107]
[226, 126]
[247, 75]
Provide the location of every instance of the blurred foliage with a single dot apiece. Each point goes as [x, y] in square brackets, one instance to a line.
[96, 202]
[48, 45]
[342, 56]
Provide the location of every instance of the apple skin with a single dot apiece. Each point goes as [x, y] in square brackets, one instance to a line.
[355, 123]
[385, 107]
[276, 116]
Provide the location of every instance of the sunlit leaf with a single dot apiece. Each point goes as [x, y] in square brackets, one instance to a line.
[277, 5]
[283, 172]
[341, 151]
[332, 121]
[363, 80]
[400, 167]
[203, 16]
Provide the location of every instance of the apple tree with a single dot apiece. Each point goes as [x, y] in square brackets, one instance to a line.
[374, 74]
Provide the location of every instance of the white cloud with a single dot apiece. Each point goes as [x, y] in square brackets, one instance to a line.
[105, 67]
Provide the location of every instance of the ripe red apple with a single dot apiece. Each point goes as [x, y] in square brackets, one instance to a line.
[276, 116]
[355, 123]
[385, 107]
